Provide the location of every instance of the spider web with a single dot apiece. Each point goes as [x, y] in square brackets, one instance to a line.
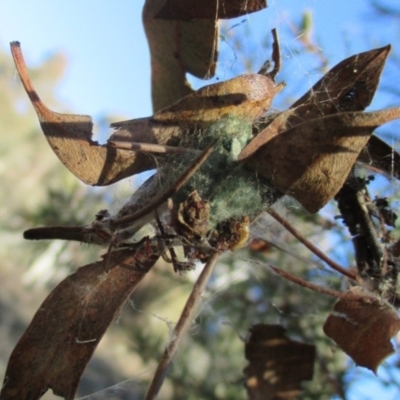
[243, 291]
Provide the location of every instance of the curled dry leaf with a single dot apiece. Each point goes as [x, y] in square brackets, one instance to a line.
[277, 365]
[247, 96]
[59, 342]
[311, 161]
[177, 48]
[70, 137]
[362, 325]
[209, 9]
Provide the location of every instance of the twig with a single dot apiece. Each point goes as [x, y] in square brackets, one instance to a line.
[178, 266]
[167, 193]
[152, 148]
[337, 267]
[82, 234]
[306, 284]
[276, 58]
[352, 202]
[181, 328]
[276, 55]
[76, 233]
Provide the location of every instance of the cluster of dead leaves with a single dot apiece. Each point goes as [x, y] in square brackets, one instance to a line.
[306, 152]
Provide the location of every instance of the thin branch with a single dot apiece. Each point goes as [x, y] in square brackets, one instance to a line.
[181, 328]
[178, 265]
[306, 284]
[152, 148]
[276, 58]
[276, 55]
[352, 200]
[334, 265]
[77, 233]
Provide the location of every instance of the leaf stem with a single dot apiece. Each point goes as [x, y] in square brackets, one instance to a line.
[306, 284]
[334, 265]
[151, 147]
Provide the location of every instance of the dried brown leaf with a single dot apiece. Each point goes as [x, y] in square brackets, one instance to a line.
[210, 9]
[247, 96]
[70, 137]
[177, 48]
[276, 127]
[69, 324]
[311, 161]
[362, 325]
[349, 86]
[278, 365]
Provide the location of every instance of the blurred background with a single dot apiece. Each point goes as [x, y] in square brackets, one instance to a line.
[92, 58]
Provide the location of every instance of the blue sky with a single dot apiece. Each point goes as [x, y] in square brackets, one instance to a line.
[108, 69]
